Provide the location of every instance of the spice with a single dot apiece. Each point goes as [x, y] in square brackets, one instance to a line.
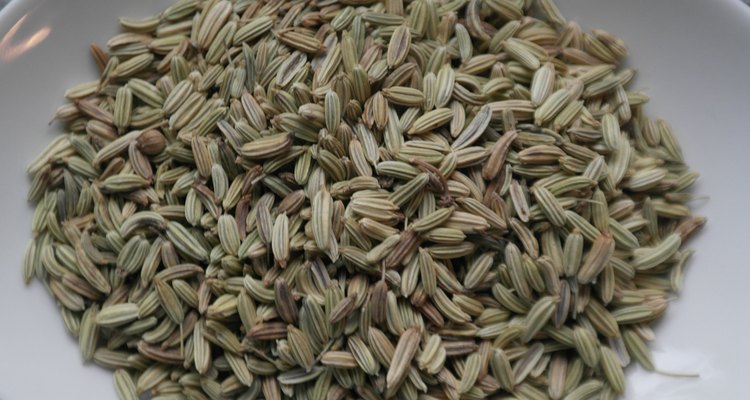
[358, 199]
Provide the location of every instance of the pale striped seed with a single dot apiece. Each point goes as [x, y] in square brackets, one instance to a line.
[402, 357]
[585, 390]
[470, 373]
[646, 258]
[433, 220]
[427, 272]
[520, 204]
[601, 319]
[576, 221]
[339, 359]
[169, 301]
[379, 252]
[538, 316]
[553, 104]
[255, 114]
[362, 355]
[124, 385]
[638, 349]
[253, 29]
[292, 66]
[266, 147]
[444, 235]
[542, 84]
[332, 111]
[131, 66]
[382, 349]
[478, 270]
[430, 89]
[501, 369]
[280, 239]
[612, 369]
[587, 346]
[88, 334]
[398, 47]
[212, 22]
[430, 120]
[550, 206]
[526, 363]
[90, 272]
[116, 315]
[82, 90]
[123, 108]
[519, 51]
[408, 191]
[597, 258]
[557, 371]
[304, 42]
[229, 234]
[185, 242]
[444, 82]
[474, 130]
[322, 207]
[404, 96]
[463, 39]
[300, 347]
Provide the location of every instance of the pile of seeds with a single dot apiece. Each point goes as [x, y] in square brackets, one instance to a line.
[337, 199]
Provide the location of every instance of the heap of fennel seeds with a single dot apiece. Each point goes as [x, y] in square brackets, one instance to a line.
[357, 199]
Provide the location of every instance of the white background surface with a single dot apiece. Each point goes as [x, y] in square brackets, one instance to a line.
[693, 58]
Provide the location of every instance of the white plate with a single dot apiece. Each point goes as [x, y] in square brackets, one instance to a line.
[693, 57]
